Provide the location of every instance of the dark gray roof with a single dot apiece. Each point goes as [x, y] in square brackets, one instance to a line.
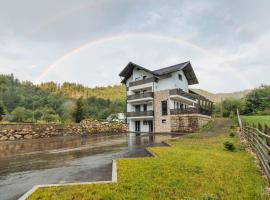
[186, 67]
[170, 69]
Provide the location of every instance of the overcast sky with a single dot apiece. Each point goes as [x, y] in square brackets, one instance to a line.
[90, 41]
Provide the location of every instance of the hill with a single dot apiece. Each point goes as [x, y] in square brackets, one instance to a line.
[75, 90]
[218, 97]
[23, 101]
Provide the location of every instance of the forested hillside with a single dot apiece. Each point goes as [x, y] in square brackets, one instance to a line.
[22, 101]
[218, 97]
[74, 90]
[50, 102]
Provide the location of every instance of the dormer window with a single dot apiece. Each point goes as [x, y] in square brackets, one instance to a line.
[180, 77]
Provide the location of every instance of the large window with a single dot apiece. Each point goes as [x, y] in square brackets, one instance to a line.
[164, 107]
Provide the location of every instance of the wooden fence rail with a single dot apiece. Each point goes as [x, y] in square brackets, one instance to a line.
[258, 137]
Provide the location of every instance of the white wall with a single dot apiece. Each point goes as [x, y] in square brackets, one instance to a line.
[131, 107]
[138, 74]
[144, 128]
[172, 82]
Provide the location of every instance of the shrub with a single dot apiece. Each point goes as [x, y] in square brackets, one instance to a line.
[229, 146]
[232, 127]
[232, 134]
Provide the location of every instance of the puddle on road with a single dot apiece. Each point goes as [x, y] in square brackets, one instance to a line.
[65, 159]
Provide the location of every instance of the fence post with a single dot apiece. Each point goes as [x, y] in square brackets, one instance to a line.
[267, 132]
[239, 121]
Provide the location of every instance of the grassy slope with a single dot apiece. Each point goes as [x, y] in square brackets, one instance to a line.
[257, 119]
[195, 167]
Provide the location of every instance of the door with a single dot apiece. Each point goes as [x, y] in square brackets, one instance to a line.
[150, 124]
[137, 126]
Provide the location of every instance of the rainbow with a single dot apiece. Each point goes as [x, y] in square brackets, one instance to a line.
[152, 36]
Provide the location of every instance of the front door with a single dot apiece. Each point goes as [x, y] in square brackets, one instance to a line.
[150, 124]
[137, 126]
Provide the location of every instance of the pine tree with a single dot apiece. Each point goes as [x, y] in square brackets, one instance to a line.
[2, 111]
[79, 112]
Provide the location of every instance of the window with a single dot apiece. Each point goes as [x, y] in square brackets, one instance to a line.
[144, 77]
[163, 121]
[145, 107]
[137, 108]
[164, 107]
[180, 77]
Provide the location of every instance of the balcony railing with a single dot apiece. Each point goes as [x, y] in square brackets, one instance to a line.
[140, 114]
[140, 96]
[140, 82]
[183, 94]
[190, 111]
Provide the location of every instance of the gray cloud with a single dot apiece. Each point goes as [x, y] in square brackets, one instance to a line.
[230, 36]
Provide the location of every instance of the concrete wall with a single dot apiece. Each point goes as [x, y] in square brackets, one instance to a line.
[158, 125]
[188, 123]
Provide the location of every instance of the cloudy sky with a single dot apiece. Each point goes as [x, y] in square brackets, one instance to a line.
[90, 41]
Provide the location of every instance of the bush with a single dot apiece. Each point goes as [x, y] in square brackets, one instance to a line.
[232, 127]
[229, 146]
[232, 134]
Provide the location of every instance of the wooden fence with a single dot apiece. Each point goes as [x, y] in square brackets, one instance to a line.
[258, 137]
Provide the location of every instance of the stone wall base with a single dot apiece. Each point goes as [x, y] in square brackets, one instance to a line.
[30, 131]
[188, 123]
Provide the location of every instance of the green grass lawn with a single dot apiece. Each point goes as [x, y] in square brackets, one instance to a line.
[195, 167]
[257, 119]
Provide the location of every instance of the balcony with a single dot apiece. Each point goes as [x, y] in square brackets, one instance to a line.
[191, 111]
[140, 96]
[183, 94]
[140, 114]
[141, 82]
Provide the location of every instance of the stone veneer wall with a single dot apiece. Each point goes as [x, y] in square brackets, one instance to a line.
[29, 131]
[188, 122]
[158, 125]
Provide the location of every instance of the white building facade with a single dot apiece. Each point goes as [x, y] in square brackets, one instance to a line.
[156, 98]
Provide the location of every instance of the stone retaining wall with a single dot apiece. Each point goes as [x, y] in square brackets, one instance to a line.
[188, 122]
[29, 131]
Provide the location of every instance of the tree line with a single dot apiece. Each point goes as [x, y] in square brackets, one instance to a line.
[22, 101]
[257, 102]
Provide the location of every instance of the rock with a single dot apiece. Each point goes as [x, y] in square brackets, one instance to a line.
[36, 135]
[18, 136]
[11, 138]
[28, 137]
[3, 138]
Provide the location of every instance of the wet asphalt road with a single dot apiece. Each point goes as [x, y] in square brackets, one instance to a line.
[24, 164]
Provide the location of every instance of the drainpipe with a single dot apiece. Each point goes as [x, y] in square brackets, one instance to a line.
[153, 107]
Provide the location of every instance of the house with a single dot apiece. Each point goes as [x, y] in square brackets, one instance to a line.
[118, 117]
[160, 100]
